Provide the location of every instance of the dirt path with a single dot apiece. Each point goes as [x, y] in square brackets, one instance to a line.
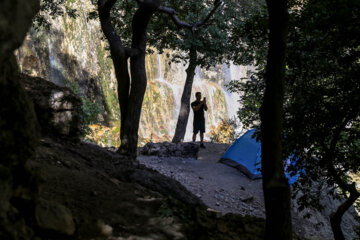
[225, 189]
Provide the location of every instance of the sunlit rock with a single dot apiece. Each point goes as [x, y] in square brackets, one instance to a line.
[57, 108]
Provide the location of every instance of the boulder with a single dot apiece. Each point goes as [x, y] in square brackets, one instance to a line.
[57, 108]
[54, 217]
[167, 149]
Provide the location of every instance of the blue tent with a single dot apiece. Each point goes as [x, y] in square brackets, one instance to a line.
[245, 155]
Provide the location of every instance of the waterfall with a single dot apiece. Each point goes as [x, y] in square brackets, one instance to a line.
[89, 39]
[56, 73]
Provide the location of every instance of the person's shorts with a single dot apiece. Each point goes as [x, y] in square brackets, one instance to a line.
[199, 126]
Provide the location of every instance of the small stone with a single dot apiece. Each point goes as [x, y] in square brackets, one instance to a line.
[201, 177]
[248, 199]
[105, 230]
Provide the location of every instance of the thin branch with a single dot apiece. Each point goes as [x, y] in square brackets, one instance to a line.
[199, 24]
[171, 12]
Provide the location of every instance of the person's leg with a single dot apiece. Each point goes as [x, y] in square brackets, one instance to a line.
[195, 130]
[201, 137]
[202, 130]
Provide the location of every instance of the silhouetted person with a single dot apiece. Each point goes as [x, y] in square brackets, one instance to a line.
[199, 120]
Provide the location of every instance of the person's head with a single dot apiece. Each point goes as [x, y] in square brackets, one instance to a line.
[198, 96]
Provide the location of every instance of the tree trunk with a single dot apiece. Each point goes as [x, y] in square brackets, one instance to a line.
[138, 78]
[185, 99]
[19, 128]
[130, 102]
[119, 57]
[336, 217]
[275, 186]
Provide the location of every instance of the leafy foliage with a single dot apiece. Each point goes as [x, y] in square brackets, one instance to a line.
[53, 9]
[322, 113]
[89, 110]
[224, 132]
[211, 41]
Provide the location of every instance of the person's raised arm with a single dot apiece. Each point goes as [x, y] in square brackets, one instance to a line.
[197, 108]
[205, 105]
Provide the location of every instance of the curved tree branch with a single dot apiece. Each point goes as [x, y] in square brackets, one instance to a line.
[104, 8]
[171, 12]
[336, 216]
[331, 149]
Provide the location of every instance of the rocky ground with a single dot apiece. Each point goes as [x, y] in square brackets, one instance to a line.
[88, 192]
[227, 190]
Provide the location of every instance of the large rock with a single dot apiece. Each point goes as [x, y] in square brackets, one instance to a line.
[167, 149]
[54, 217]
[57, 108]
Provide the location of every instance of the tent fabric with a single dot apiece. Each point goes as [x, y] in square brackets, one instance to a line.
[245, 155]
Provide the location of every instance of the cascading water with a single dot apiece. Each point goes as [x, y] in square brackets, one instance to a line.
[55, 68]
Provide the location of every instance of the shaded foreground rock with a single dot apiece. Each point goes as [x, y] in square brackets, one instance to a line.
[57, 108]
[168, 149]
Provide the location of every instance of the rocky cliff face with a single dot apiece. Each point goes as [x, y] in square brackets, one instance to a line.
[73, 50]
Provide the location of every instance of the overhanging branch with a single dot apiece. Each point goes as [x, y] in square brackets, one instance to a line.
[171, 12]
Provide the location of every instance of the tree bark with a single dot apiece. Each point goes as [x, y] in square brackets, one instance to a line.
[185, 98]
[138, 77]
[119, 57]
[19, 128]
[275, 185]
[336, 217]
[130, 99]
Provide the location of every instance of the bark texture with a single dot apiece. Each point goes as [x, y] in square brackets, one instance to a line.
[19, 129]
[336, 216]
[275, 185]
[185, 99]
[130, 101]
